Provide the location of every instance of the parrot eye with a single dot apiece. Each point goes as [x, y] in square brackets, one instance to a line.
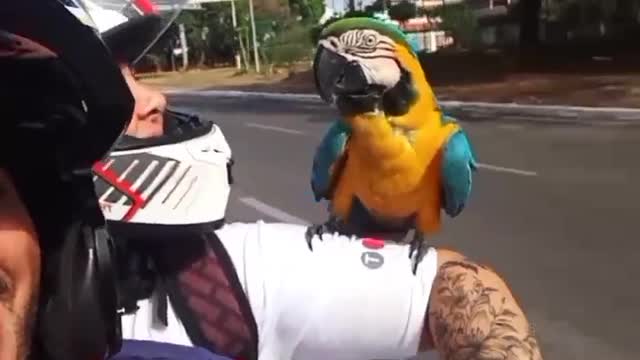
[370, 40]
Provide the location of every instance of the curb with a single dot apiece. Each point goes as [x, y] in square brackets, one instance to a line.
[549, 114]
[471, 111]
[246, 94]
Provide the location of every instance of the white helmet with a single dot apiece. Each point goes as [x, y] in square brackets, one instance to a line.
[175, 182]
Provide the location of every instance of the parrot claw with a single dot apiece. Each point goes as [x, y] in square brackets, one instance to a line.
[416, 251]
[313, 231]
[318, 230]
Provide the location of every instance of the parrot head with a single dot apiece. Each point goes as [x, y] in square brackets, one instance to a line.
[364, 65]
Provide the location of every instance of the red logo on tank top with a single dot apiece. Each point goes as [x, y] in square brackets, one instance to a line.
[373, 244]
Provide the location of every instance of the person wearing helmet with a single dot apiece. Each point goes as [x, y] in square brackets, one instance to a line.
[64, 103]
[19, 272]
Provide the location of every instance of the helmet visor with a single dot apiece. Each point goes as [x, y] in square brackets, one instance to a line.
[131, 27]
[78, 9]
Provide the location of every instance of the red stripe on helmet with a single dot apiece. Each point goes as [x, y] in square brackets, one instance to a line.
[147, 6]
[111, 177]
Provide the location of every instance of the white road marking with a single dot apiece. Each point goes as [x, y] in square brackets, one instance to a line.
[482, 166]
[245, 94]
[274, 128]
[507, 170]
[510, 126]
[272, 212]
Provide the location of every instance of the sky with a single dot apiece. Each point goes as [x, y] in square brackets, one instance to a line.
[341, 5]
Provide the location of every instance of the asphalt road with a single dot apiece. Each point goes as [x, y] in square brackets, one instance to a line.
[555, 210]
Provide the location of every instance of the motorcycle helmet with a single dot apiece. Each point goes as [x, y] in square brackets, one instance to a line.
[160, 186]
[176, 182]
[64, 104]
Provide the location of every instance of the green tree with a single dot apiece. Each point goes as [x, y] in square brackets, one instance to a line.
[309, 10]
[459, 21]
[210, 33]
[530, 23]
[286, 48]
[352, 5]
[212, 38]
[378, 6]
[403, 11]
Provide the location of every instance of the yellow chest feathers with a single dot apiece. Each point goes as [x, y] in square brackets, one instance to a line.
[394, 165]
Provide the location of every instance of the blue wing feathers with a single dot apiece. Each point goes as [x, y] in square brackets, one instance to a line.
[330, 150]
[458, 165]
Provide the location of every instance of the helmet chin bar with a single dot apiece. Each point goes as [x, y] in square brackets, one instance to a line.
[164, 186]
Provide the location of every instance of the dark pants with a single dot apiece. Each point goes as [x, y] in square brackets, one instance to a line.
[151, 350]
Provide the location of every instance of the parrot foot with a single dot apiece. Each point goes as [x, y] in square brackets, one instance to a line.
[313, 231]
[318, 230]
[416, 251]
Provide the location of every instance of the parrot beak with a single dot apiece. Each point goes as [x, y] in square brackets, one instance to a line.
[343, 82]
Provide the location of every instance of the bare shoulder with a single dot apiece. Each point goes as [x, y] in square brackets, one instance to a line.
[474, 315]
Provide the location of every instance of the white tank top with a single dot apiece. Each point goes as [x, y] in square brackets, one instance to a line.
[348, 299]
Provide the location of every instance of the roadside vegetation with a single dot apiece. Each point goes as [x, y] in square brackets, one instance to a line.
[551, 51]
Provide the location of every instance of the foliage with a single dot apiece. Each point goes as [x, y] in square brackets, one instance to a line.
[314, 32]
[378, 6]
[354, 13]
[290, 46]
[460, 21]
[282, 32]
[209, 32]
[403, 11]
[591, 19]
[309, 11]
[351, 5]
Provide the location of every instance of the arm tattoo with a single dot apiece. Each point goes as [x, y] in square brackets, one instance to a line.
[473, 320]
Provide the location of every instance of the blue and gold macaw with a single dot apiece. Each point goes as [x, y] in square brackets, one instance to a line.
[392, 151]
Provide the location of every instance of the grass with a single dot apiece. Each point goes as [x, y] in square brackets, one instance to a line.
[202, 79]
[616, 90]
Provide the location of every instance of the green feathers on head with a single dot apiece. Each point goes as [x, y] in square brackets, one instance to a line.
[386, 29]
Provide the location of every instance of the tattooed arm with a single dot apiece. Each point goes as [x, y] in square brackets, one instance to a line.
[473, 315]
